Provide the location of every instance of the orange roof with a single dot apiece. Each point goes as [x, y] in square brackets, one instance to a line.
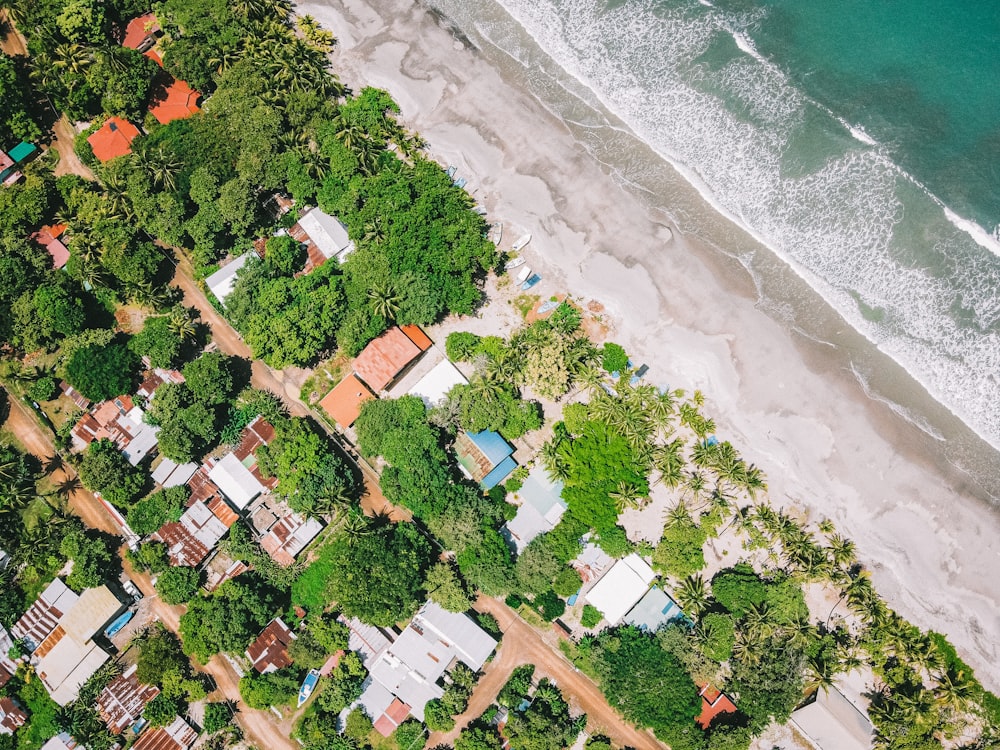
[385, 357]
[343, 403]
[418, 337]
[48, 237]
[175, 102]
[113, 139]
[221, 510]
[152, 55]
[139, 30]
[713, 703]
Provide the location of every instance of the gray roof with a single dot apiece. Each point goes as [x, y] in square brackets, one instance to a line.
[326, 231]
[235, 480]
[656, 608]
[471, 643]
[222, 281]
[541, 508]
[834, 723]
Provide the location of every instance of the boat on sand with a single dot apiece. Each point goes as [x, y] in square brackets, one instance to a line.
[525, 273]
[514, 263]
[521, 242]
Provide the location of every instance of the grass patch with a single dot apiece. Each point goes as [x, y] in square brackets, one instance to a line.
[309, 589]
[326, 375]
[581, 660]
[525, 303]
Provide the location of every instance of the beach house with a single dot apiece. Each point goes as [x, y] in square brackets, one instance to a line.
[654, 610]
[621, 588]
[343, 403]
[435, 384]
[113, 139]
[832, 722]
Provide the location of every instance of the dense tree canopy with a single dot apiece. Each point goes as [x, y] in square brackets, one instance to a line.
[103, 372]
[228, 619]
[105, 469]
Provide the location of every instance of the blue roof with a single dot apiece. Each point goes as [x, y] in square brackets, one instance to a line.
[656, 608]
[499, 473]
[493, 446]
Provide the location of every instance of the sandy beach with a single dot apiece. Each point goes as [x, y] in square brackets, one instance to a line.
[790, 406]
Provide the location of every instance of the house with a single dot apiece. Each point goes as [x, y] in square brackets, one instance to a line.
[621, 587]
[368, 641]
[141, 33]
[484, 457]
[656, 608]
[174, 101]
[541, 508]
[382, 361]
[22, 151]
[8, 667]
[68, 657]
[8, 171]
[178, 735]
[120, 421]
[62, 741]
[113, 139]
[190, 539]
[434, 386]
[170, 474]
[221, 283]
[236, 481]
[832, 722]
[343, 403]
[12, 716]
[409, 668]
[713, 703]
[41, 619]
[48, 237]
[269, 652]
[324, 237]
[122, 702]
[288, 536]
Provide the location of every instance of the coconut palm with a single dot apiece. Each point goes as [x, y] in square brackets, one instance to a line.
[955, 690]
[554, 462]
[758, 622]
[224, 57]
[161, 166]
[695, 484]
[842, 551]
[385, 300]
[745, 649]
[183, 322]
[693, 595]
[669, 462]
[70, 57]
[820, 674]
[68, 486]
[625, 497]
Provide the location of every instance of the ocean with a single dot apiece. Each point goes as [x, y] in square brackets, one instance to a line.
[854, 145]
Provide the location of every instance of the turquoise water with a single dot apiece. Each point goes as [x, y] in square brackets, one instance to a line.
[859, 141]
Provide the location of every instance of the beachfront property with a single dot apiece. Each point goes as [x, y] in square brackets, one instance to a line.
[178, 735]
[221, 283]
[385, 359]
[832, 722]
[269, 651]
[324, 237]
[404, 672]
[484, 457]
[654, 610]
[713, 703]
[540, 510]
[122, 702]
[12, 716]
[621, 588]
[343, 403]
[59, 629]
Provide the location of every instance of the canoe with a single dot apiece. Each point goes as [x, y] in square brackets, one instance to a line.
[530, 282]
[460, 182]
[118, 624]
[451, 170]
[524, 274]
[308, 685]
[521, 242]
[549, 306]
[498, 233]
[514, 263]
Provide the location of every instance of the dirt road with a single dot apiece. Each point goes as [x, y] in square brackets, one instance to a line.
[69, 162]
[523, 645]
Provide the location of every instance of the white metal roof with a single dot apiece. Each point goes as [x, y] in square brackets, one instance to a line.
[434, 386]
[621, 587]
[235, 481]
[222, 281]
[326, 231]
[833, 723]
[471, 643]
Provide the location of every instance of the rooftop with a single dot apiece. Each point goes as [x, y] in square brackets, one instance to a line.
[139, 33]
[113, 139]
[713, 703]
[343, 403]
[12, 716]
[417, 336]
[48, 237]
[832, 722]
[177, 735]
[434, 386]
[485, 457]
[174, 102]
[222, 281]
[541, 508]
[289, 536]
[269, 652]
[621, 587]
[190, 539]
[327, 233]
[656, 608]
[121, 703]
[42, 617]
[236, 481]
[384, 358]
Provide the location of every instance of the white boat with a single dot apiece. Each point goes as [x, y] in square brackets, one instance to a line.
[525, 273]
[521, 242]
[515, 263]
[497, 233]
[549, 306]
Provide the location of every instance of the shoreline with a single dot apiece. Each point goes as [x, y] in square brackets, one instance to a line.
[783, 401]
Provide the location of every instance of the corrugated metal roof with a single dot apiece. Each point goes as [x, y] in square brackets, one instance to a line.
[41, 619]
[123, 700]
[384, 358]
[178, 735]
[269, 651]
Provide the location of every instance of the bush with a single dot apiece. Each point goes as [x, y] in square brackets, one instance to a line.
[409, 735]
[567, 582]
[178, 585]
[217, 717]
[103, 372]
[461, 345]
[437, 717]
[614, 358]
[518, 686]
[150, 513]
[266, 690]
[549, 605]
[591, 616]
[43, 389]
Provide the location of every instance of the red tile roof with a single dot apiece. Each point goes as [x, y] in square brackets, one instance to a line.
[417, 336]
[152, 55]
[174, 102]
[270, 651]
[392, 717]
[713, 703]
[343, 403]
[113, 139]
[140, 30]
[384, 726]
[48, 237]
[384, 358]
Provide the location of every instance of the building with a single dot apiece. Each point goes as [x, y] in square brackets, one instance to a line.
[178, 735]
[121, 422]
[62, 741]
[541, 508]
[621, 587]
[485, 457]
[12, 716]
[343, 403]
[41, 619]
[122, 702]
[48, 237]
[113, 139]
[368, 641]
[236, 481]
[288, 536]
[174, 101]
[385, 358]
[269, 652]
[323, 235]
[8, 170]
[435, 385]
[832, 722]
[171, 474]
[68, 657]
[8, 667]
[141, 33]
[713, 703]
[655, 609]
[405, 673]
[221, 282]
[190, 539]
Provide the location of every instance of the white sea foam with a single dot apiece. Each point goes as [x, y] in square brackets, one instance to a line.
[838, 227]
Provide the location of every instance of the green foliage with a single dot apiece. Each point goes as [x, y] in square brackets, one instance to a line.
[479, 736]
[42, 389]
[614, 358]
[739, 588]
[437, 717]
[228, 619]
[153, 555]
[487, 566]
[218, 716]
[94, 559]
[545, 724]
[328, 631]
[614, 541]
[549, 605]
[446, 587]
[379, 575]
[306, 651]
[311, 476]
[567, 582]
[591, 616]
[187, 419]
[483, 405]
[210, 378]
[358, 726]
[162, 710]
[680, 551]
[103, 372]
[42, 712]
[517, 687]
[720, 635]
[648, 684]
[15, 103]
[150, 513]
[284, 256]
[409, 735]
[536, 567]
[261, 691]
[461, 346]
[770, 684]
[177, 585]
[159, 341]
[160, 658]
[105, 469]
[344, 684]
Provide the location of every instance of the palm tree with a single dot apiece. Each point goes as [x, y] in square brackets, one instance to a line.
[955, 690]
[161, 166]
[695, 484]
[625, 497]
[842, 551]
[758, 622]
[820, 673]
[70, 57]
[669, 462]
[68, 486]
[53, 464]
[745, 649]
[385, 300]
[693, 595]
[224, 58]
[554, 462]
[183, 322]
